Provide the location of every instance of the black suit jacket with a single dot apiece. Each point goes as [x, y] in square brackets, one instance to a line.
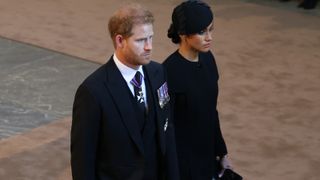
[105, 139]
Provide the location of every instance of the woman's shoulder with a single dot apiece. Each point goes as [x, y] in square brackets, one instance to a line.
[172, 59]
[207, 56]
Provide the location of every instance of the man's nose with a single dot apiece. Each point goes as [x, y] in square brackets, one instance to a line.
[148, 44]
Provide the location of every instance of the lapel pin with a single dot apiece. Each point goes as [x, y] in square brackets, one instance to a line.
[165, 125]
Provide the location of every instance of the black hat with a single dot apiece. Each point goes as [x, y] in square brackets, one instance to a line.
[190, 17]
[197, 16]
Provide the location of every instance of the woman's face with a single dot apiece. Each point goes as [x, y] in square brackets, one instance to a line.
[200, 41]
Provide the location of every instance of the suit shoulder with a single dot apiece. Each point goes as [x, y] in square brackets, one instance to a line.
[154, 64]
[96, 77]
[155, 67]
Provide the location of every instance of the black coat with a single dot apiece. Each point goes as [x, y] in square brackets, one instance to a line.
[194, 90]
[106, 142]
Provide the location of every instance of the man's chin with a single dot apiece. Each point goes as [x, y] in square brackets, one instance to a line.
[146, 61]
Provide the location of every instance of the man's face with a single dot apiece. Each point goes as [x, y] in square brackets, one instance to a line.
[137, 48]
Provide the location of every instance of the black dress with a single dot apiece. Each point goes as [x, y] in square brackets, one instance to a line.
[193, 88]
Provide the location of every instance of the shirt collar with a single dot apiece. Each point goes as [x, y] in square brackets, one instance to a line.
[127, 72]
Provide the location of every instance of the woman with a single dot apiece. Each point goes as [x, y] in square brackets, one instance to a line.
[192, 79]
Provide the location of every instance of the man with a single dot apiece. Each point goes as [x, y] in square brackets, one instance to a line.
[121, 128]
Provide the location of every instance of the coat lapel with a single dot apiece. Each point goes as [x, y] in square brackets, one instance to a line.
[154, 78]
[119, 91]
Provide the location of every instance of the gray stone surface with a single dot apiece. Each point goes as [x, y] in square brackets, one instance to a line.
[37, 86]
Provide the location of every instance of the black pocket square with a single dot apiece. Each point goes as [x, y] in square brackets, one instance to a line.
[230, 175]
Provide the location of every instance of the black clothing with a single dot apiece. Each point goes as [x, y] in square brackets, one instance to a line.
[149, 139]
[193, 88]
[308, 4]
[110, 139]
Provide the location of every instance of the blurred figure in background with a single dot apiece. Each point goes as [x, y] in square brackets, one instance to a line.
[306, 4]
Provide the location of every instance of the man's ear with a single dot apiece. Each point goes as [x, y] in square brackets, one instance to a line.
[119, 39]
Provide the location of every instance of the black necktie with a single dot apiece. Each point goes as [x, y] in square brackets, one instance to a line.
[137, 82]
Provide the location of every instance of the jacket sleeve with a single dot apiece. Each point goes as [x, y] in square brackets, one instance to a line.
[84, 135]
[221, 147]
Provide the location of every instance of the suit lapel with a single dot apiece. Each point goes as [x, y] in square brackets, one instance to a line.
[154, 78]
[119, 91]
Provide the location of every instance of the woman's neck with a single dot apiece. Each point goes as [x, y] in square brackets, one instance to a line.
[189, 54]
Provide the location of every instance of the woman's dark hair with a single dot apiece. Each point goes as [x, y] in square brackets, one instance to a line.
[189, 17]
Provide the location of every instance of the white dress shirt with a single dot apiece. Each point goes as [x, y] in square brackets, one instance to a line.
[128, 74]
